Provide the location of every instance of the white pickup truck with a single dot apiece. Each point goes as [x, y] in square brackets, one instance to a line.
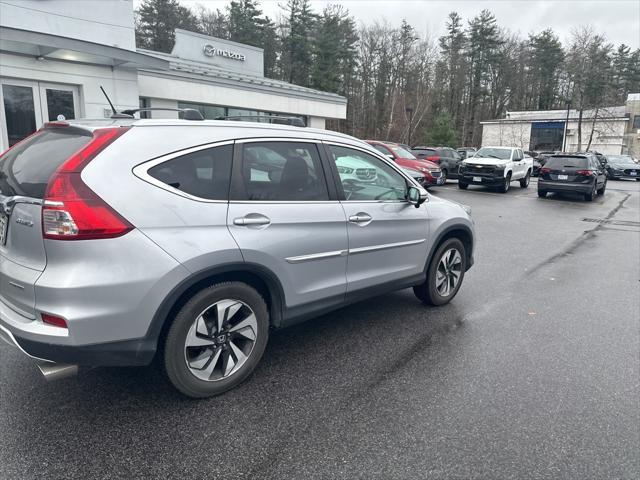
[496, 167]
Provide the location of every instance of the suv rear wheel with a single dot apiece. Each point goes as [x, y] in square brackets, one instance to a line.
[216, 340]
[592, 194]
[444, 275]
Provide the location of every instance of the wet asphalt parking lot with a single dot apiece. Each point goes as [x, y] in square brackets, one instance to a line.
[532, 371]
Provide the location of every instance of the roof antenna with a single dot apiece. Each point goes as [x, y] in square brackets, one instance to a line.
[115, 113]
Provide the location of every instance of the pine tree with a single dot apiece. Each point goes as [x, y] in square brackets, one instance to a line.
[156, 21]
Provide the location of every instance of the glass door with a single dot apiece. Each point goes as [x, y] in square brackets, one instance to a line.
[21, 110]
[58, 102]
[27, 105]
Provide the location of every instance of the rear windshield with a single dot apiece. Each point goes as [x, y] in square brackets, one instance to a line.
[567, 162]
[27, 167]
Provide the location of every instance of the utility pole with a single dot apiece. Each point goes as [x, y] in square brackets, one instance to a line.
[409, 110]
[566, 127]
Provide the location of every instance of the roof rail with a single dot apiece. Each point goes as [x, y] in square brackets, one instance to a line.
[278, 119]
[187, 113]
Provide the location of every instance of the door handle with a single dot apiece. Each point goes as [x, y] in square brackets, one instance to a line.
[252, 219]
[360, 218]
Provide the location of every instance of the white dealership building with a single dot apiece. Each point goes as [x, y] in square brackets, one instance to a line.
[56, 54]
[612, 130]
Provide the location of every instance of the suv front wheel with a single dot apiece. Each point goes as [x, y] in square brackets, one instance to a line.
[216, 340]
[444, 275]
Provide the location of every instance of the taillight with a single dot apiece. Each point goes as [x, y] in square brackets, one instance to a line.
[54, 320]
[434, 159]
[585, 173]
[545, 170]
[72, 211]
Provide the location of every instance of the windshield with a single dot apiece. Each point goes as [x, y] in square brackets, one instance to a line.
[499, 153]
[26, 168]
[567, 162]
[401, 152]
[619, 160]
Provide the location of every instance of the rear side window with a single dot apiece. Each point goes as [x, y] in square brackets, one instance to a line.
[27, 167]
[203, 174]
[567, 162]
[282, 171]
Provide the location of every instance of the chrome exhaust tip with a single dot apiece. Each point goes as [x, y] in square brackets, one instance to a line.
[57, 371]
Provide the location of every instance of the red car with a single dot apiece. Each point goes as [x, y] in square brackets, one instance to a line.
[404, 158]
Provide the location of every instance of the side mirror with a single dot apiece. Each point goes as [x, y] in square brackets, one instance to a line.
[416, 196]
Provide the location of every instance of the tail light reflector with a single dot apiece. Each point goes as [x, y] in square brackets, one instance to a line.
[545, 170]
[53, 320]
[585, 173]
[72, 211]
[434, 159]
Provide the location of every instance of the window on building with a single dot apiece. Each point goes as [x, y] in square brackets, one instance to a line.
[203, 174]
[145, 103]
[211, 112]
[636, 122]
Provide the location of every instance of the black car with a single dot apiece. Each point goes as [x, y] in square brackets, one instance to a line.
[466, 152]
[447, 158]
[538, 163]
[622, 166]
[572, 172]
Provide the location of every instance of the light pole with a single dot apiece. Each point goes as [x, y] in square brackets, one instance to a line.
[409, 110]
[566, 127]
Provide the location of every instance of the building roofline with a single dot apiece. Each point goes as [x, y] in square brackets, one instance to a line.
[543, 120]
[48, 44]
[221, 76]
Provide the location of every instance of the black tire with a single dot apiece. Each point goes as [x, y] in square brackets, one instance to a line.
[637, 179]
[175, 357]
[604, 187]
[542, 193]
[427, 292]
[504, 188]
[524, 182]
[591, 195]
[444, 176]
[462, 185]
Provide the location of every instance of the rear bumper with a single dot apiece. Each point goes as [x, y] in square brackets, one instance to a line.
[564, 187]
[113, 354]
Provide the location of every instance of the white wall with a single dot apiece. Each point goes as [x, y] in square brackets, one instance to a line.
[508, 135]
[157, 87]
[607, 138]
[120, 84]
[109, 22]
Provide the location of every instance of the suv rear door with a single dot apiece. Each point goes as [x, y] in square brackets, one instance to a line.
[285, 216]
[25, 171]
[387, 235]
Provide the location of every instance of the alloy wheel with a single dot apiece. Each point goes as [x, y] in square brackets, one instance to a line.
[220, 340]
[449, 272]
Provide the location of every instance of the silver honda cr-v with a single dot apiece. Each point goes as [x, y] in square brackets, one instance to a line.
[124, 240]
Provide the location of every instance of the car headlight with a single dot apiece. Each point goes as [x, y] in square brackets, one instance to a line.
[345, 170]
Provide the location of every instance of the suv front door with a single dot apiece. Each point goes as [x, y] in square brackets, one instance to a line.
[284, 217]
[387, 235]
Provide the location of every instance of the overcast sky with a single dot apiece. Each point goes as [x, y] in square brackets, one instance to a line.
[619, 20]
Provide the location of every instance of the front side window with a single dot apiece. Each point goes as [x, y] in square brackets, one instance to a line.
[204, 174]
[282, 171]
[365, 177]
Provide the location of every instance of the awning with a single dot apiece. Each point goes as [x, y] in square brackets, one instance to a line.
[44, 45]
